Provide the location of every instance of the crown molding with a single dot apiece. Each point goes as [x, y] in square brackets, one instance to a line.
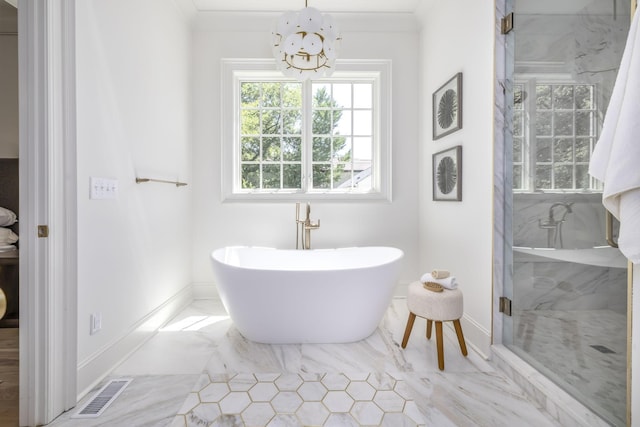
[264, 21]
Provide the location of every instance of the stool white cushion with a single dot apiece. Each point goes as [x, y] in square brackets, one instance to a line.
[436, 307]
[439, 306]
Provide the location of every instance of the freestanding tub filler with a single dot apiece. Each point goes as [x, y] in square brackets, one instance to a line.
[316, 296]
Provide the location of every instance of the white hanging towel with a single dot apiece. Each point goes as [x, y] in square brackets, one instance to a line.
[616, 157]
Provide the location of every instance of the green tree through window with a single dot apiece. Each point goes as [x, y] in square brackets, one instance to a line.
[329, 156]
[272, 133]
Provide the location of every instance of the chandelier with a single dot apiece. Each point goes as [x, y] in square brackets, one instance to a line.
[305, 43]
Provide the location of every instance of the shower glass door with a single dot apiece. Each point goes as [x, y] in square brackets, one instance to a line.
[569, 287]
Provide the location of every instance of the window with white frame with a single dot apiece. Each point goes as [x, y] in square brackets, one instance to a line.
[325, 138]
[555, 130]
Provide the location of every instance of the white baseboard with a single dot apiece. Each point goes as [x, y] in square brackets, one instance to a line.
[96, 367]
[476, 336]
[205, 290]
[401, 290]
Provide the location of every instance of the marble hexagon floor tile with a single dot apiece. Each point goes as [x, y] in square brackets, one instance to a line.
[336, 399]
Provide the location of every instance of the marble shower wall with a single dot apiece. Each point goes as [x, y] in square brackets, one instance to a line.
[586, 46]
[584, 226]
[552, 285]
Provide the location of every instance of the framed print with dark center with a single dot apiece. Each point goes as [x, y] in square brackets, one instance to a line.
[447, 174]
[447, 107]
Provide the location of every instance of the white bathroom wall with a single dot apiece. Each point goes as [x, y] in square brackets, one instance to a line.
[133, 106]
[220, 224]
[457, 36]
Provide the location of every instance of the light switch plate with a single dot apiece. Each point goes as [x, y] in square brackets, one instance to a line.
[103, 188]
[95, 323]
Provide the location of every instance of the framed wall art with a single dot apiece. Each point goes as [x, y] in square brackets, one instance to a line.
[447, 107]
[447, 174]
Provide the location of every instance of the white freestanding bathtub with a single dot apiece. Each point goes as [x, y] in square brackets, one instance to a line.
[306, 296]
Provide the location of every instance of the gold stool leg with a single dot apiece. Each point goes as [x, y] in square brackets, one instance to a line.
[439, 345]
[463, 346]
[429, 323]
[407, 331]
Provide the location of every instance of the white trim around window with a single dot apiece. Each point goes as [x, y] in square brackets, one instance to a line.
[235, 70]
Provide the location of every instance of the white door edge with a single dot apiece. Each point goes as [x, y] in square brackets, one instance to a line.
[48, 279]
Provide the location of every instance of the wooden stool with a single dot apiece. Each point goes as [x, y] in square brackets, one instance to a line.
[435, 307]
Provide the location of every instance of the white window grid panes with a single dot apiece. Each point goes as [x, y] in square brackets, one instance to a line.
[270, 135]
[327, 138]
[555, 130]
[342, 135]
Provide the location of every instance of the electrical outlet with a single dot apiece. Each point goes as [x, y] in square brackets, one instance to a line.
[103, 188]
[95, 323]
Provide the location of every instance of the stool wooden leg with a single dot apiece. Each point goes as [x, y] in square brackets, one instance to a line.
[458, 327]
[439, 345]
[429, 322]
[407, 331]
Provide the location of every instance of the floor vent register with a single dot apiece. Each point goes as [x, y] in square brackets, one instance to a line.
[103, 398]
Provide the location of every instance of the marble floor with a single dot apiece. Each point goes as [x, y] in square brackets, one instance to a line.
[199, 371]
[585, 351]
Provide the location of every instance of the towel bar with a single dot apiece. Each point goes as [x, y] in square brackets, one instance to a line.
[177, 183]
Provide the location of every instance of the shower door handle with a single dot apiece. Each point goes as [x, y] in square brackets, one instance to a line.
[609, 229]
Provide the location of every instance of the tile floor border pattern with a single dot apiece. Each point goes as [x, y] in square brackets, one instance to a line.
[289, 399]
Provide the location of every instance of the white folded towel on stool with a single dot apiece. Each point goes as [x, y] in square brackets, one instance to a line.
[449, 282]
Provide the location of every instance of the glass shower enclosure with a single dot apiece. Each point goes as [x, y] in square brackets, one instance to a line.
[568, 286]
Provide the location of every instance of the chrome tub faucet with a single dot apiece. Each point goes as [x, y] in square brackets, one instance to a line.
[305, 225]
[553, 225]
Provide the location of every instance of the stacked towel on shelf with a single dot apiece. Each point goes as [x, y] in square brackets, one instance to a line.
[7, 217]
[617, 153]
[7, 237]
[447, 282]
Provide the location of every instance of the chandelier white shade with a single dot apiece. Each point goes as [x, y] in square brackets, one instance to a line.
[305, 44]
